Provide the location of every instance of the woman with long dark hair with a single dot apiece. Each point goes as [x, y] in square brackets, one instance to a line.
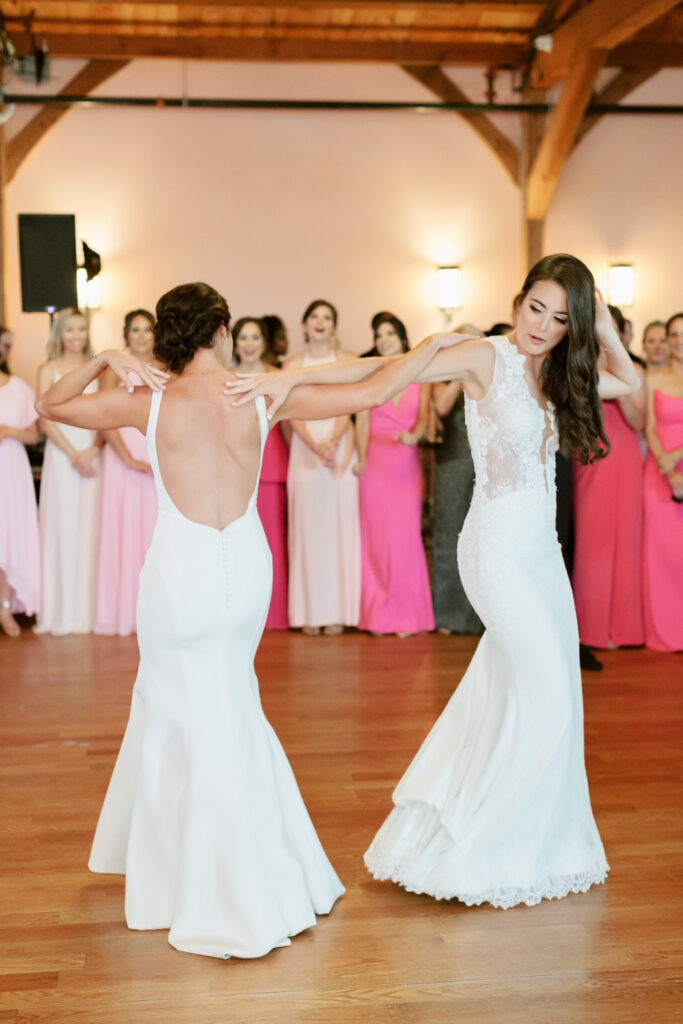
[395, 594]
[203, 814]
[495, 806]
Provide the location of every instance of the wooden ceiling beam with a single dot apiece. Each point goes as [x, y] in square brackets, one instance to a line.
[437, 81]
[288, 48]
[561, 131]
[597, 25]
[618, 89]
[92, 75]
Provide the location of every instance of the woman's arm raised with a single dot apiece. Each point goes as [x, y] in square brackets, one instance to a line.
[115, 407]
[620, 378]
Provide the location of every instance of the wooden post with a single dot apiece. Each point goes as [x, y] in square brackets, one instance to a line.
[533, 228]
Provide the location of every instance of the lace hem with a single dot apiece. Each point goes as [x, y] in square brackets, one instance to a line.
[553, 887]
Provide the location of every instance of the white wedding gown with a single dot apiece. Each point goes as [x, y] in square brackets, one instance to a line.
[495, 806]
[203, 814]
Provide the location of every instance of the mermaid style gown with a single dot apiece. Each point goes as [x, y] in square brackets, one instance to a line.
[203, 814]
[495, 806]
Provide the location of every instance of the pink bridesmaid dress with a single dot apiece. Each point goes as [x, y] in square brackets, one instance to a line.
[271, 502]
[19, 535]
[608, 522]
[663, 538]
[128, 512]
[323, 529]
[395, 591]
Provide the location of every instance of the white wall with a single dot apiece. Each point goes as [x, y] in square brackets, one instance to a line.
[276, 208]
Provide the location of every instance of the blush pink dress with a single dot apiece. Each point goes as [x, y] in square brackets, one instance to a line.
[663, 538]
[271, 503]
[395, 592]
[324, 530]
[128, 512]
[19, 538]
[608, 515]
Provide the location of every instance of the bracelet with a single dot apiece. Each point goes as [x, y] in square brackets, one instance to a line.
[95, 356]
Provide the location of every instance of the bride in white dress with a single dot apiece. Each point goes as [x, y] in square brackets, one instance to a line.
[495, 805]
[203, 814]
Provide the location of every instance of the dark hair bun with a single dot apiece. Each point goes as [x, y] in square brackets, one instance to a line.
[187, 319]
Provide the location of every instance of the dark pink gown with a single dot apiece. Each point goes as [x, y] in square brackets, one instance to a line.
[272, 509]
[663, 538]
[608, 515]
[395, 591]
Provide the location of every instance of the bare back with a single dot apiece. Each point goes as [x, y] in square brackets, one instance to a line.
[208, 450]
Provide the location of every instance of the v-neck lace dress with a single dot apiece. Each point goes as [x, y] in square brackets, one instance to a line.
[495, 805]
[203, 814]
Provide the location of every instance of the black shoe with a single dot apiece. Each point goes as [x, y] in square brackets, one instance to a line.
[587, 660]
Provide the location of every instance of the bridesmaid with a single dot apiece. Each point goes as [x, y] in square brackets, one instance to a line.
[395, 596]
[656, 346]
[128, 502]
[663, 529]
[251, 356]
[608, 517]
[322, 491]
[277, 342]
[68, 493]
[19, 540]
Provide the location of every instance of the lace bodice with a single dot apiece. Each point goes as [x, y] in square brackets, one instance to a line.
[513, 440]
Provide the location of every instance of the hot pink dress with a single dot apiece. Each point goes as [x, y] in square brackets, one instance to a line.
[395, 592]
[608, 516]
[19, 537]
[128, 512]
[272, 509]
[663, 538]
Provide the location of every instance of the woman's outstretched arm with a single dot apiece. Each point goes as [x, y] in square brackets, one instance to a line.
[115, 407]
[349, 371]
[469, 361]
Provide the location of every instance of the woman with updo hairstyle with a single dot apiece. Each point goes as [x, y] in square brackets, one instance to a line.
[322, 490]
[203, 814]
[494, 807]
[608, 525]
[69, 491]
[128, 501]
[663, 499]
[252, 356]
[395, 594]
[19, 538]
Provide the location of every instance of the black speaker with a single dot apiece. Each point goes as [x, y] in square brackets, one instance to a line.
[47, 256]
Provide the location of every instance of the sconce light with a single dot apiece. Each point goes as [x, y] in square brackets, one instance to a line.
[88, 282]
[449, 288]
[621, 284]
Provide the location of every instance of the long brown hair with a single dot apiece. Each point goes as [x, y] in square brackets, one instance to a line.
[570, 370]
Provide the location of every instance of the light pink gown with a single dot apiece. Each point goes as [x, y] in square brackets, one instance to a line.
[663, 538]
[608, 515]
[128, 512]
[395, 592]
[324, 530]
[272, 509]
[19, 538]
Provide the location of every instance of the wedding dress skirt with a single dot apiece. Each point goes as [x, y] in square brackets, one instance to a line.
[203, 813]
[495, 806]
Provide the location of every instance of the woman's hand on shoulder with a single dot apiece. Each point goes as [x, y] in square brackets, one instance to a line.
[273, 386]
[126, 368]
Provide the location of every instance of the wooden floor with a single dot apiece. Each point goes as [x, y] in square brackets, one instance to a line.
[350, 712]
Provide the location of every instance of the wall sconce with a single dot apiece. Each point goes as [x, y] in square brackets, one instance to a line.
[621, 284]
[449, 289]
[88, 283]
